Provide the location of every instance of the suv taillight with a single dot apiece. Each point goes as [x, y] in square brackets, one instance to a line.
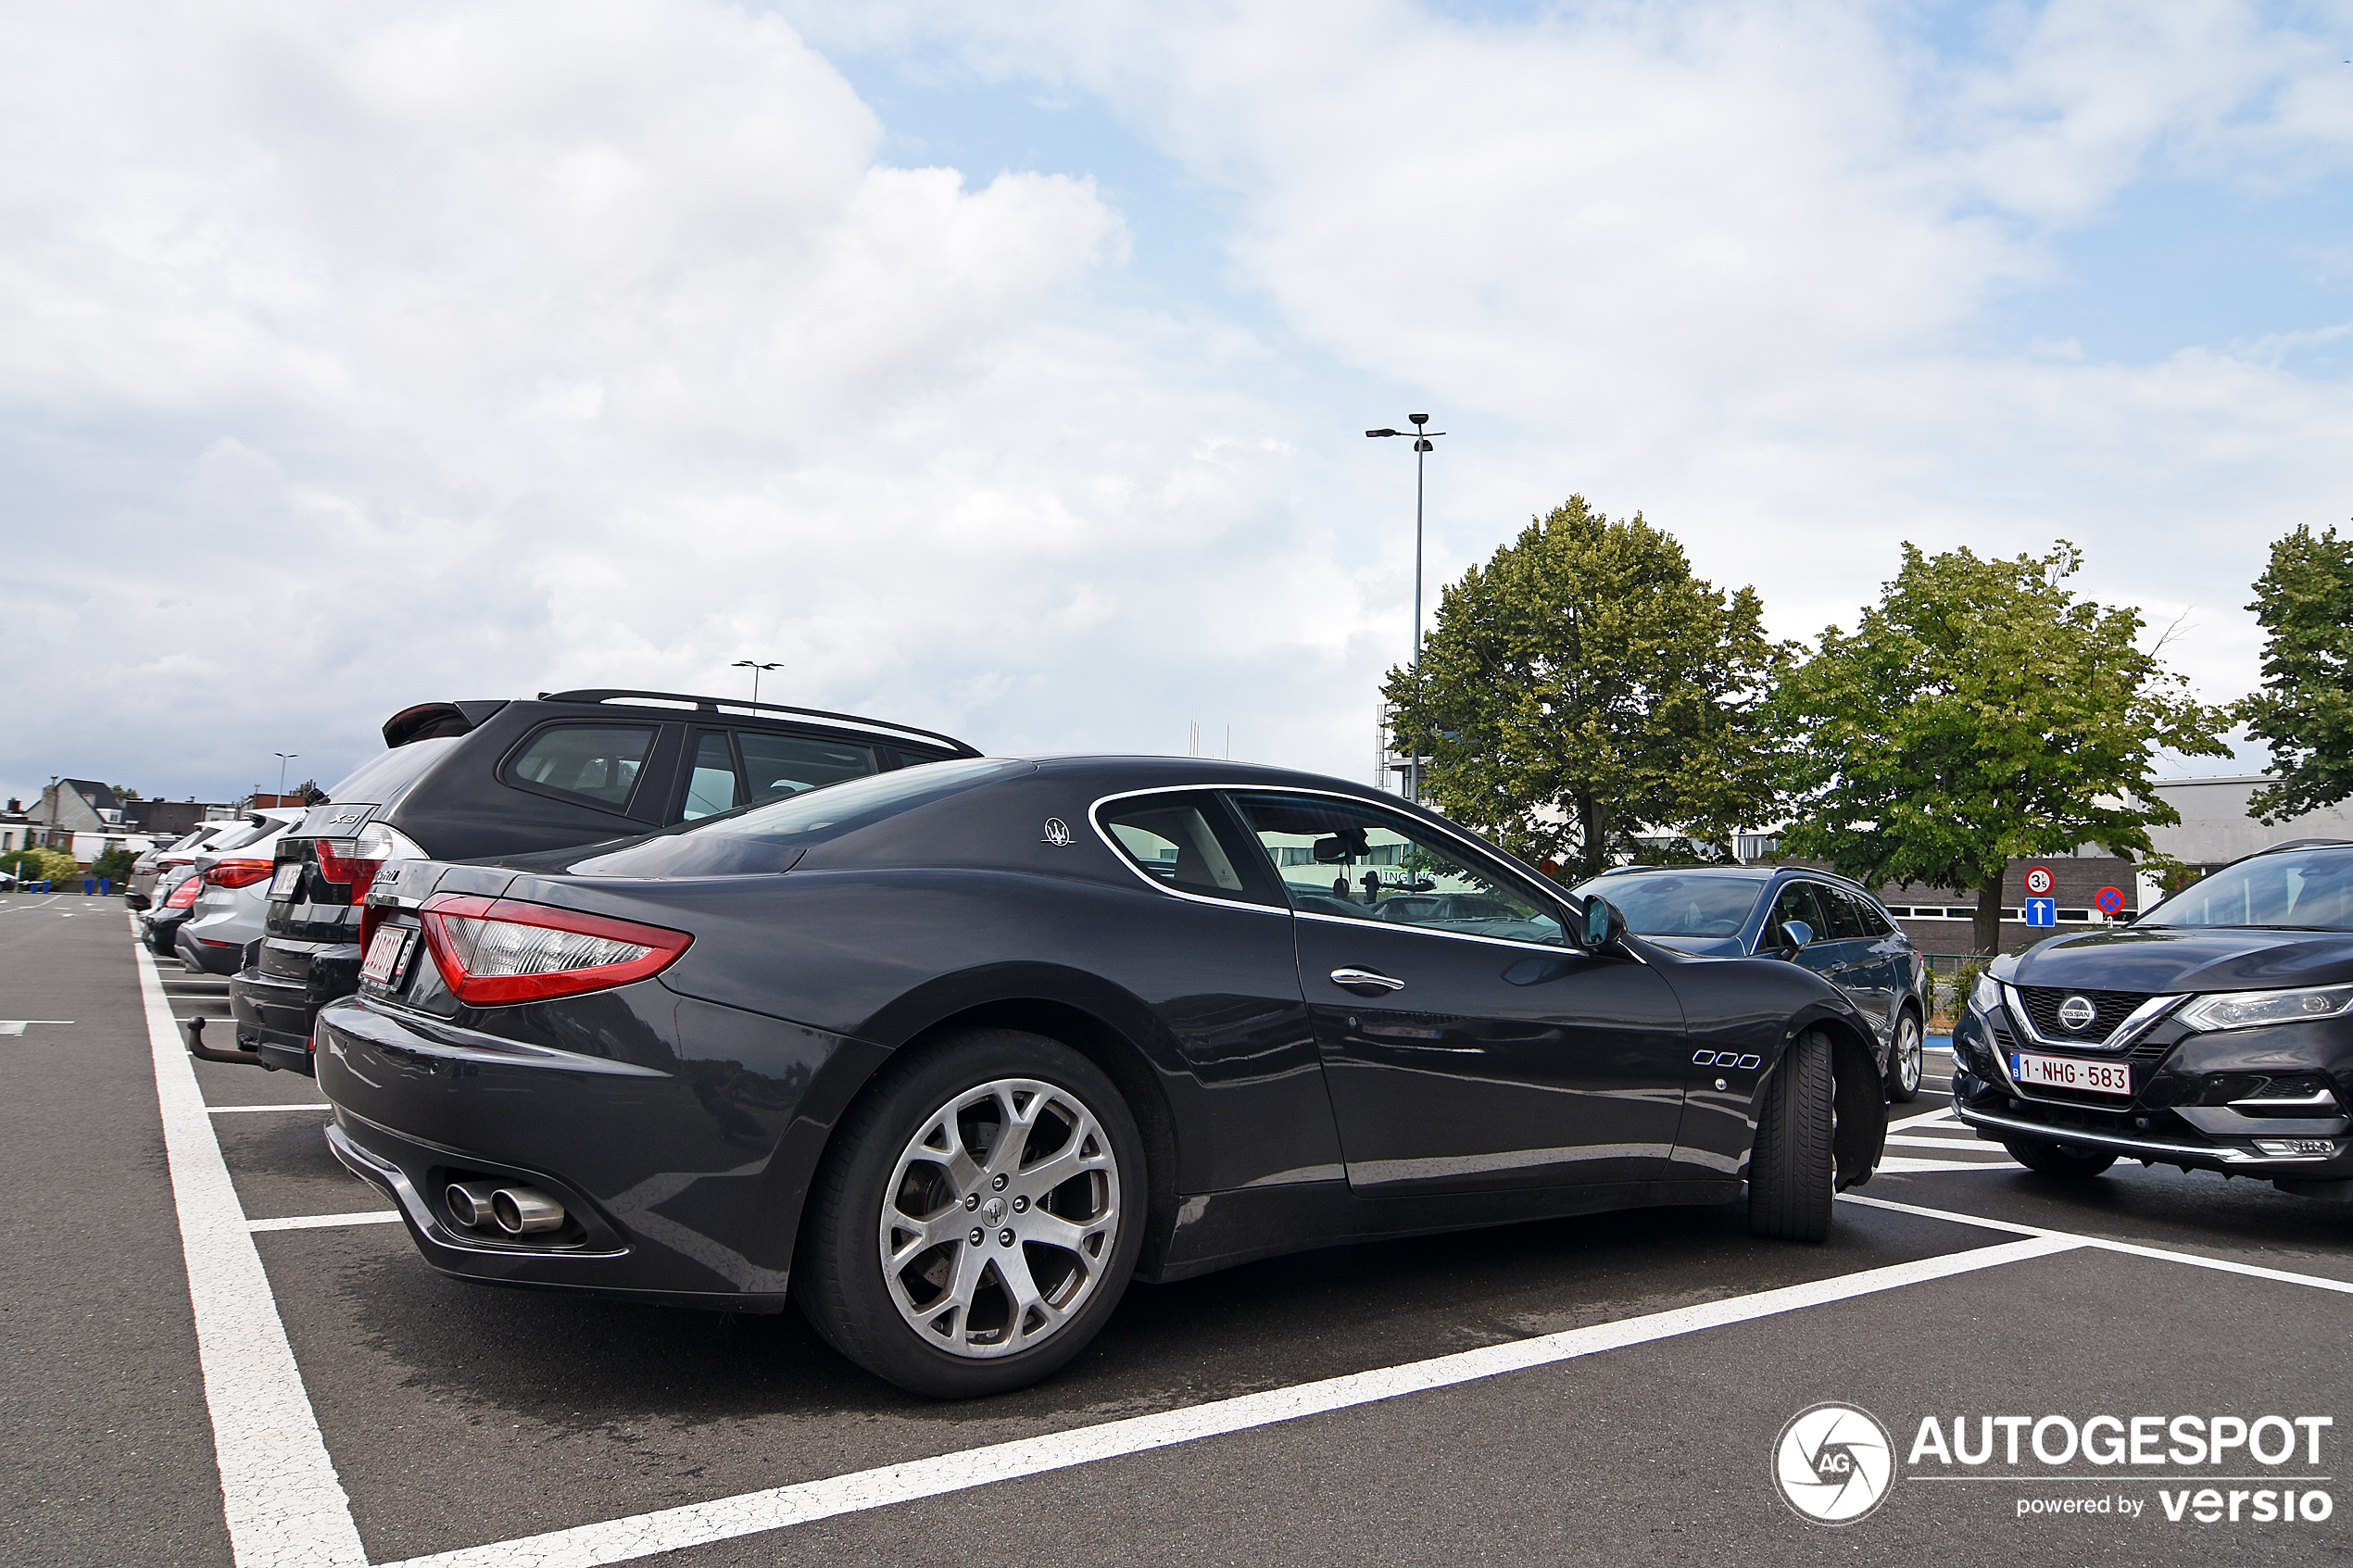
[493, 952]
[236, 874]
[184, 895]
[356, 861]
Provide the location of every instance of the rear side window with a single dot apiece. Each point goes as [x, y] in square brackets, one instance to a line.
[595, 762]
[777, 765]
[1175, 840]
[712, 788]
[1846, 920]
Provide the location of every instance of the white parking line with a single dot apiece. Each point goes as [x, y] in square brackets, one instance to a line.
[1923, 1119]
[321, 1221]
[1905, 1165]
[2318, 1281]
[283, 1503]
[1966, 1143]
[618, 1540]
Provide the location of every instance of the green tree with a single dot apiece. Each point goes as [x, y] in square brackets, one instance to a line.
[2304, 710]
[116, 864]
[1978, 712]
[1583, 685]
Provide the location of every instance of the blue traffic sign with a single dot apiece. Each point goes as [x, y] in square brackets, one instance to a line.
[2042, 912]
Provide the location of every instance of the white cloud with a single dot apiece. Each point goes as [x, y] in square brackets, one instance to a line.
[448, 350]
[495, 348]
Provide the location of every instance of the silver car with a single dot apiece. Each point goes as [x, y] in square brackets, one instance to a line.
[230, 911]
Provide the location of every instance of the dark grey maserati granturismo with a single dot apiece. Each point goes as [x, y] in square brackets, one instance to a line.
[950, 1054]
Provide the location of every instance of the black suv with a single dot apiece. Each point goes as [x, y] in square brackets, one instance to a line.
[471, 780]
[2215, 1033]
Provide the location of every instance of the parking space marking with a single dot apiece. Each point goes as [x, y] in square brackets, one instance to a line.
[620, 1540]
[233, 1110]
[282, 1501]
[2132, 1248]
[1970, 1142]
[1904, 1164]
[321, 1221]
[1924, 1118]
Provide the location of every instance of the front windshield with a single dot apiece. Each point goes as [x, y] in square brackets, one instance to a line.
[2312, 889]
[1661, 904]
[770, 836]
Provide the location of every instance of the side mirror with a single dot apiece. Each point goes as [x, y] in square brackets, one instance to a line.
[1794, 935]
[1603, 924]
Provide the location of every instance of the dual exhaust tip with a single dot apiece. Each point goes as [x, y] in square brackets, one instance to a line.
[518, 1210]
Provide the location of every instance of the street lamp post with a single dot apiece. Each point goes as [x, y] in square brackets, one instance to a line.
[756, 667]
[1423, 436]
[283, 757]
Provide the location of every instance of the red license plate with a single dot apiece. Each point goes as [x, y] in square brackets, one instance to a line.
[391, 945]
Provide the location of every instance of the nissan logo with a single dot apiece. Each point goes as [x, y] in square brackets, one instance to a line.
[2077, 1012]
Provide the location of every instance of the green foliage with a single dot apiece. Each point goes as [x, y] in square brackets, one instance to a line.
[124, 792]
[115, 863]
[2304, 710]
[2172, 875]
[41, 863]
[1978, 712]
[1583, 685]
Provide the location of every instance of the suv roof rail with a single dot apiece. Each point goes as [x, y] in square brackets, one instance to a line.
[2303, 844]
[713, 704]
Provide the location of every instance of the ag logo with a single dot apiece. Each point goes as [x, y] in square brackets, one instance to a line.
[2077, 1012]
[1835, 1463]
[1057, 833]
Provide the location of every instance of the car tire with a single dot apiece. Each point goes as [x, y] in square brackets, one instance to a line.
[1791, 1166]
[950, 1319]
[2073, 1163]
[1905, 1058]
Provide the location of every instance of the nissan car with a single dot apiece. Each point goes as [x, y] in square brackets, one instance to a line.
[2215, 1033]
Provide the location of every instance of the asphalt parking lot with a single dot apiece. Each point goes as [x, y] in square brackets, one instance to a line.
[207, 1321]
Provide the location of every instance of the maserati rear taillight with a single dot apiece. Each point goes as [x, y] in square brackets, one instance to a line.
[493, 952]
[238, 873]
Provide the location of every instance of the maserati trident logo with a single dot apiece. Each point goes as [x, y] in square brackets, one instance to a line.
[1057, 833]
[992, 1210]
[2077, 1012]
[1835, 1463]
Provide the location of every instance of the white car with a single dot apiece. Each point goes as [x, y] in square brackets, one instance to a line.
[146, 887]
[231, 909]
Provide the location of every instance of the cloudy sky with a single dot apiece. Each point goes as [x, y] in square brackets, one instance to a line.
[1003, 367]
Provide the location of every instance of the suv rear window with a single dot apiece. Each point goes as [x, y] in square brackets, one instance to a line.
[382, 780]
[597, 763]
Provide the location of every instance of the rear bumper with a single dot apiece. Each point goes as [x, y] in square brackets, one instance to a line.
[684, 1155]
[210, 957]
[273, 1017]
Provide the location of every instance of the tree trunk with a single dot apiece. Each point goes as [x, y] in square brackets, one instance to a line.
[1589, 835]
[1988, 927]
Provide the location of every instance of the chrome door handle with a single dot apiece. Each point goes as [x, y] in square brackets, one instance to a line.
[1366, 981]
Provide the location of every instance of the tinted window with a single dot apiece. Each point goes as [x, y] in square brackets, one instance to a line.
[380, 780]
[2312, 890]
[1661, 904]
[1795, 902]
[781, 765]
[1846, 921]
[770, 837]
[597, 762]
[712, 789]
[1338, 858]
[1175, 840]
